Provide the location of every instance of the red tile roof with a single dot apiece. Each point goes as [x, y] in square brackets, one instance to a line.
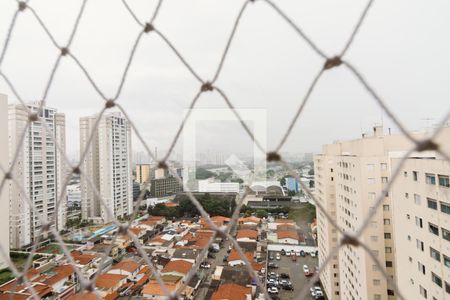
[287, 234]
[250, 219]
[126, 265]
[62, 272]
[231, 291]
[234, 255]
[82, 259]
[179, 266]
[247, 233]
[109, 280]
[153, 288]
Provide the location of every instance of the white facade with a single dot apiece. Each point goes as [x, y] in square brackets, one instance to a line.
[107, 166]
[73, 194]
[207, 186]
[4, 196]
[40, 170]
[422, 227]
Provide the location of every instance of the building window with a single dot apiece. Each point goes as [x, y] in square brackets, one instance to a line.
[433, 229]
[444, 180]
[430, 178]
[421, 267]
[405, 173]
[376, 282]
[390, 292]
[388, 264]
[446, 261]
[371, 196]
[432, 203]
[423, 291]
[387, 235]
[419, 222]
[447, 288]
[436, 279]
[419, 244]
[415, 175]
[445, 208]
[435, 254]
[417, 199]
[386, 221]
[376, 297]
[445, 234]
[384, 179]
[388, 249]
[386, 207]
[374, 238]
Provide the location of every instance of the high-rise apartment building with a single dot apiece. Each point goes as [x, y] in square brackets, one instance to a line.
[421, 214]
[39, 169]
[143, 173]
[106, 167]
[349, 177]
[4, 195]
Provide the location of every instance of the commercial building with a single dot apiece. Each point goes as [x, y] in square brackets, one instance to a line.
[143, 172]
[292, 185]
[165, 186]
[421, 215]
[208, 186]
[39, 169]
[107, 165]
[4, 195]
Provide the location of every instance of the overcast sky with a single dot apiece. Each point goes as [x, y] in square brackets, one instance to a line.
[402, 49]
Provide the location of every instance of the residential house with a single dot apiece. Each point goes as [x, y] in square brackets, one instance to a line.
[232, 291]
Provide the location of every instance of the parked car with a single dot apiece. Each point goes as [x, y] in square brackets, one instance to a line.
[288, 287]
[284, 276]
[297, 253]
[272, 265]
[225, 258]
[271, 257]
[284, 282]
[315, 289]
[305, 269]
[205, 265]
[272, 290]
[292, 252]
[288, 253]
[312, 253]
[272, 282]
[283, 252]
[278, 256]
[263, 270]
[302, 253]
[273, 275]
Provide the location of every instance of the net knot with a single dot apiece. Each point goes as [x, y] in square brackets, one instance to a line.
[332, 62]
[348, 239]
[22, 5]
[110, 103]
[427, 144]
[45, 227]
[64, 51]
[33, 117]
[162, 165]
[8, 175]
[207, 87]
[123, 229]
[76, 170]
[273, 156]
[148, 27]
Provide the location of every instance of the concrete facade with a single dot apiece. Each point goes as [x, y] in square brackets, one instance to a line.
[40, 171]
[4, 195]
[107, 165]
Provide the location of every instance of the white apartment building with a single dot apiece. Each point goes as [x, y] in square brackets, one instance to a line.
[39, 169]
[208, 186]
[422, 224]
[107, 166]
[4, 194]
[349, 177]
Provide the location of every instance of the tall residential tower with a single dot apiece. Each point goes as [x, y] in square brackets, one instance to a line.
[4, 194]
[39, 169]
[106, 168]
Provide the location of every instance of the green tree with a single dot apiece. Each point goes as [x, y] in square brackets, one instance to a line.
[261, 213]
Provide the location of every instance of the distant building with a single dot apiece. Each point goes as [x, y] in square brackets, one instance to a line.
[40, 170]
[4, 196]
[107, 165]
[208, 186]
[73, 195]
[143, 172]
[292, 184]
[136, 190]
[165, 186]
[308, 157]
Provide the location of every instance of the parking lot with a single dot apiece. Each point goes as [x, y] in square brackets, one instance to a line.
[295, 271]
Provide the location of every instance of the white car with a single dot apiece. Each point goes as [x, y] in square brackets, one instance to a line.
[272, 290]
[312, 253]
[288, 253]
[297, 253]
[278, 256]
[305, 269]
[317, 294]
[315, 289]
[263, 270]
